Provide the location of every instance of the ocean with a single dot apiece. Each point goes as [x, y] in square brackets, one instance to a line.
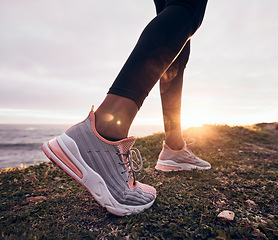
[20, 145]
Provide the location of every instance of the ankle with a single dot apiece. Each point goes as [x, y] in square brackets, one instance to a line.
[112, 129]
[175, 145]
[114, 116]
[174, 141]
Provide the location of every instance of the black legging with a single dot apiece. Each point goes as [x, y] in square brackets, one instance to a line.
[160, 45]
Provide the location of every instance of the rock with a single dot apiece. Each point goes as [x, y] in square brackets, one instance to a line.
[35, 199]
[226, 215]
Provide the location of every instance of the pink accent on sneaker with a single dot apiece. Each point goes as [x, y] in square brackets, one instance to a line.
[144, 187]
[58, 152]
[166, 168]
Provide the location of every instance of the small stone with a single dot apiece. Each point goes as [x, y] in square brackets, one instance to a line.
[250, 203]
[226, 215]
[35, 199]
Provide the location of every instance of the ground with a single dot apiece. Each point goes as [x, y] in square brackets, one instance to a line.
[42, 202]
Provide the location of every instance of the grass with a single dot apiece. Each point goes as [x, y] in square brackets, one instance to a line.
[42, 202]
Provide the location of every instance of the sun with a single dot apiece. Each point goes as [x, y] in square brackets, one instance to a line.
[197, 115]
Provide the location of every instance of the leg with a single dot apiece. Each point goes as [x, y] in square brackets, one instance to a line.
[106, 167]
[175, 155]
[171, 95]
[158, 47]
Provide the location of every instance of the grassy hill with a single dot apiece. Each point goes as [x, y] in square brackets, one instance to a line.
[42, 202]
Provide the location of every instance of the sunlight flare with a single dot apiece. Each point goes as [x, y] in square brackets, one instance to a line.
[198, 115]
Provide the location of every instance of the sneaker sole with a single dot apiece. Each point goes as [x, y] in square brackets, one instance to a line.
[171, 166]
[64, 152]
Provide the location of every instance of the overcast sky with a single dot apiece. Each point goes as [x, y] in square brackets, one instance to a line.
[59, 57]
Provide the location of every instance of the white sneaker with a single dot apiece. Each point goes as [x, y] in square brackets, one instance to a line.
[181, 160]
[107, 169]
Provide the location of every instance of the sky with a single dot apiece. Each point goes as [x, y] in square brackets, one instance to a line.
[58, 58]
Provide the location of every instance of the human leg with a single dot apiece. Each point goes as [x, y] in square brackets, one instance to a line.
[171, 92]
[105, 167]
[157, 48]
[171, 96]
[175, 155]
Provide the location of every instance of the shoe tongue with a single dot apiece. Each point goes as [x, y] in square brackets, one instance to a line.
[126, 144]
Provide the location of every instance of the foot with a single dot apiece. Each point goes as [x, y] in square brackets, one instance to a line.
[182, 160]
[105, 168]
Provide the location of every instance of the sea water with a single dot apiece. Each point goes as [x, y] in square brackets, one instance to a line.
[20, 145]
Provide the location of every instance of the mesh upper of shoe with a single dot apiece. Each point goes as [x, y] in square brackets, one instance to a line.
[108, 160]
[146, 188]
[182, 156]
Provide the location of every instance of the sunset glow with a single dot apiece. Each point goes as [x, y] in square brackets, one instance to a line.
[198, 115]
[57, 62]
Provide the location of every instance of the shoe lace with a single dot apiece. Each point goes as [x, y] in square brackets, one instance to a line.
[191, 155]
[132, 157]
[190, 141]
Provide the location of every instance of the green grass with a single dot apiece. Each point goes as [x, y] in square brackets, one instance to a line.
[42, 202]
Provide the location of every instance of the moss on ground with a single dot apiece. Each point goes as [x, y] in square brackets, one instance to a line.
[42, 202]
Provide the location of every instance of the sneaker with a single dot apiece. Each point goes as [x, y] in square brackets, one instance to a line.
[181, 160]
[105, 168]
